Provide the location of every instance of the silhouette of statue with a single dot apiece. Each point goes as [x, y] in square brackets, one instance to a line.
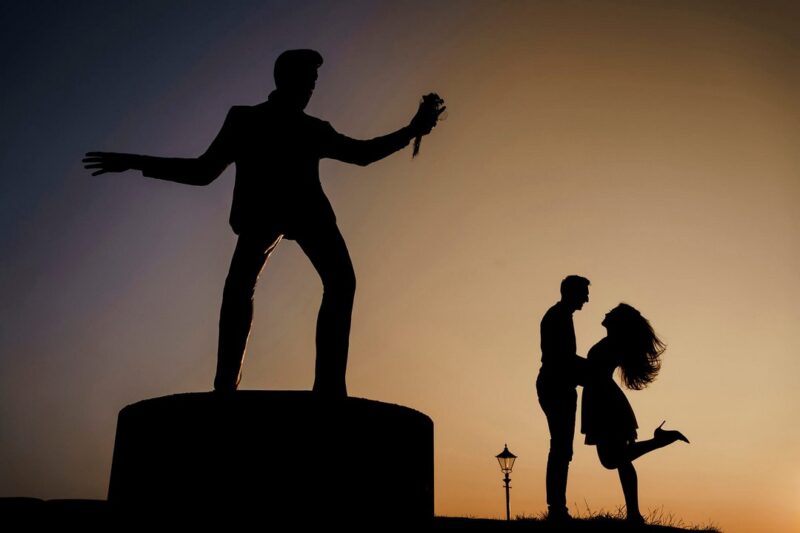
[276, 148]
[555, 386]
[607, 418]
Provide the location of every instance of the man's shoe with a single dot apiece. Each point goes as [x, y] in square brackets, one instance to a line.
[558, 516]
[635, 519]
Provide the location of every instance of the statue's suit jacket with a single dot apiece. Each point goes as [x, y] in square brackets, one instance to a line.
[277, 153]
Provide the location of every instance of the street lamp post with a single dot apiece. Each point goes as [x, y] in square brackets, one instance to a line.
[506, 460]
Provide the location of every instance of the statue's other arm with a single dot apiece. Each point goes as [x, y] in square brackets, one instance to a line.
[190, 171]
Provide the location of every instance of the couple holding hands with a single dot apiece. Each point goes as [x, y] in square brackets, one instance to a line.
[607, 419]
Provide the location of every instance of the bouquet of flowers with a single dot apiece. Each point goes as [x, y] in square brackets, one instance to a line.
[431, 110]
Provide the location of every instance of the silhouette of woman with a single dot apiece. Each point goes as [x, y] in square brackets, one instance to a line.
[607, 418]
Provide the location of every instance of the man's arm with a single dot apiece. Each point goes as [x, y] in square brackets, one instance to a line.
[557, 336]
[558, 342]
[364, 152]
[190, 171]
[580, 370]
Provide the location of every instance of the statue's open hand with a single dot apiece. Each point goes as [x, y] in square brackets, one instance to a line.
[102, 162]
[428, 114]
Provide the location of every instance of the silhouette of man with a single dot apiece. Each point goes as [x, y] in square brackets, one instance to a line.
[276, 148]
[558, 378]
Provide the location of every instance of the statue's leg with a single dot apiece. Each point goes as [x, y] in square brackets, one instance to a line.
[327, 251]
[236, 313]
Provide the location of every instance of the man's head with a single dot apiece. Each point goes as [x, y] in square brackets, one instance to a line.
[296, 75]
[575, 291]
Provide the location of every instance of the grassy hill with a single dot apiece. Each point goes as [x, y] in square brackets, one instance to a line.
[601, 522]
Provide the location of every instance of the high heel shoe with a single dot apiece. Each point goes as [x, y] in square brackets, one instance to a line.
[668, 436]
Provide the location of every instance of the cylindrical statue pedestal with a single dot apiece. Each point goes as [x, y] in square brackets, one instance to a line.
[273, 458]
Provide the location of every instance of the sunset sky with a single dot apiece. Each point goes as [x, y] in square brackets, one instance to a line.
[649, 146]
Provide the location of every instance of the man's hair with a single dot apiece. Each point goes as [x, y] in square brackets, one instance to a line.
[293, 62]
[573, 283]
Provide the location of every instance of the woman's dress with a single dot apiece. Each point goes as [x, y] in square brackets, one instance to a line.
[606, 414]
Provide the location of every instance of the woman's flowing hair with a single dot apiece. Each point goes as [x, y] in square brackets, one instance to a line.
[641, 348]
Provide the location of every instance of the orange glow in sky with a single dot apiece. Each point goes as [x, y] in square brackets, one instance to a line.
[651, 147]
